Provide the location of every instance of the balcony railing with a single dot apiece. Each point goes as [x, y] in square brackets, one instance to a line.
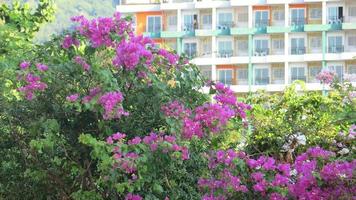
[190, 27]
[336, 49]
[263, 23]
[225, 53]
[261, 52]
[191, 55]
[262, 81]
[301, 78]
[297, 50]
[335, 20]
[225, 25]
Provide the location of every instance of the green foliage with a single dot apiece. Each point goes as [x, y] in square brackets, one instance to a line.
[277, 117]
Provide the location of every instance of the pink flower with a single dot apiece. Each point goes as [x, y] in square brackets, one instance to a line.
[73, 97]
[135, 141]
[131, 196]
[41, 67]
[80, 61]
[24, 65]
[69, 41]
[118, 136]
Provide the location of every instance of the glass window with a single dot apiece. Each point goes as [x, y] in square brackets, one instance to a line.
[207, 48]
[335, 14]
[172, 20]
[352, 11]
[261, 18]
[225, 48]
[315, 13]
[338, 69]
[207, 20]
[225, 20]
[206, 71]
[315, 42]
[242, 46]
[278, 75]
[313, 71]
[190, 22]
[242, 17]
[190, 49]
[335, 44]
[297, 73]
[261, 76]
[261, 45]
[154, 24]
[352, 41]
[352, 69]
[298, 16]
[298, 46]
[278, 15]
[242, 76]
[278, 44]
[225, 76]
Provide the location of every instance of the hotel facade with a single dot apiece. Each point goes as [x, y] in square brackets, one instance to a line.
[254, 44]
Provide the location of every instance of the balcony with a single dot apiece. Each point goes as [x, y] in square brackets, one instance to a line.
[261, 26]
[277, 29]
[191, 55]
[135, 2]
[189, 29]
[297, 25]
[262, 81]
[335, 23]
[298, 50]
[225, 53]
[349, 24]
[223, 28]
[298, 78]
[242, 31]
[172, 34]
[317, 27]
[261, 52]
[336, 49]
[152, 34]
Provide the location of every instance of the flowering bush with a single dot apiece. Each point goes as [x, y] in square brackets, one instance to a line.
[101, 79]
[326, 76]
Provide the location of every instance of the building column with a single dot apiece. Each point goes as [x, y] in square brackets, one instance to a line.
[213, 73]
[286, 54]
[179, 20]
[179, 46]
[286, 15]
[250, 16]
[324, 49]
[250, 65]
[213, 45]
[324, 11]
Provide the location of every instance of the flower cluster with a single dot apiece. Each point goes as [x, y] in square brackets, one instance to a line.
[130, 52]
[171, 57]
[33, 83]
[209, 117]
[80, 61]
[326, 76]
[312, 176]
[69, 41]
[110, 101]
[99, 30]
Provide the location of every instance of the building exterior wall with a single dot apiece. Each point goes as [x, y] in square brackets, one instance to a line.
[302, 37]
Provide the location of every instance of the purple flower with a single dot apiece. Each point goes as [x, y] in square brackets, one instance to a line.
[110, 102]
[80, 61]
[41, 67]
[72, 97]
[118, 136]
[326, 76]
[134, 141]
[69, 41]
[131, 196]
[24, 65]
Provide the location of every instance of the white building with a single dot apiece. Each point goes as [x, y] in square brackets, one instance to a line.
[254, 44]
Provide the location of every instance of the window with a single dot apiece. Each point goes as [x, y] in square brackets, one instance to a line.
[298, 16]
[261, 76]
[298, 46]
[172, 20]
[297, 73]
[190, 22]
[278, 44]
[261, 46]
[278, 75]
[261, 18]
[352, 69]
[352, 41]
[225, 20]
[335, 44]
[225, 76]
[338, 70]
[315, 42]
[207, 20]
[225, 48]
[352, 11]
[313, 71]
[190, 49]
[242, 46]
[154, 24]
[206, 71]
[242, 76]
[335, 14]
[206, 48]
[315, 13]
[242, 17]
[278, 15]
